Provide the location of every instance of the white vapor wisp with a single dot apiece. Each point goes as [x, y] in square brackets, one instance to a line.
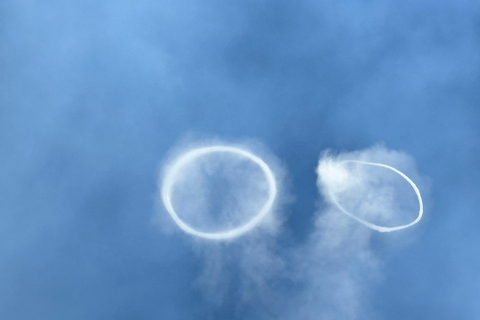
[329, 275]
[326, 171]
[338, 265]
[178, 171]
[337, 178]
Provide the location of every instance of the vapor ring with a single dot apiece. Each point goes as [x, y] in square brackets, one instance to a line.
[374, 226]
[192, 155]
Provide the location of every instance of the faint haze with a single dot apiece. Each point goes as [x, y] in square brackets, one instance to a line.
[93, 95]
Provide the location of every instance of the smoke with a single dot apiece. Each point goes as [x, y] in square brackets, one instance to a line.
[220, 191]
[94, 92]
[340, 263]
[234, 173]
[329, 276]
[358, 188]
[215, 189]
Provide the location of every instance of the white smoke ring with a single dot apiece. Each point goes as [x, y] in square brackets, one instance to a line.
[170, 179]
[374, 226]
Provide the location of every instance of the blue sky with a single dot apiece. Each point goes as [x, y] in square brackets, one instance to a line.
[95, 94]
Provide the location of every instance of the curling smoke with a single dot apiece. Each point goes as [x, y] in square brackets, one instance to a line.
[368, 190]
[192, 170]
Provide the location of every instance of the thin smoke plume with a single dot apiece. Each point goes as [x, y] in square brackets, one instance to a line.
[338, 264]
[329, 276]
[220, 191]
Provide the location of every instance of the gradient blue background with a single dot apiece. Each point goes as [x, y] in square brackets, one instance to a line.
[94, 93]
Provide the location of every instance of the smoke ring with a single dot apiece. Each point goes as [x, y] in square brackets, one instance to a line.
[374, 226]
[192, 155]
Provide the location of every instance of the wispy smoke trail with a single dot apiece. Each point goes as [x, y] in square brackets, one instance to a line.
[216, 193]
[329, 276]
[338, 265]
